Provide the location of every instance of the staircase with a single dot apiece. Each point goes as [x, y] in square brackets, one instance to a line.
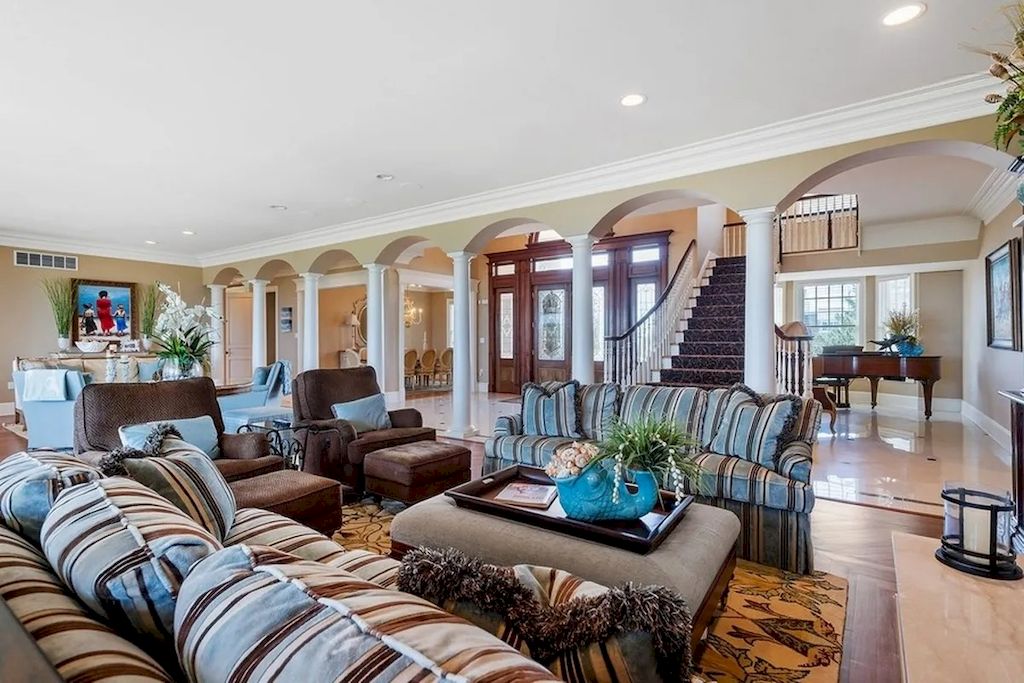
[709, 352]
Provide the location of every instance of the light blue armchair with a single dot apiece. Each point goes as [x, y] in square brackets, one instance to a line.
[261, 402]
[50, 423]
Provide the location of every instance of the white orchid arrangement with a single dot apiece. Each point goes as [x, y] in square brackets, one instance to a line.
[185, 333]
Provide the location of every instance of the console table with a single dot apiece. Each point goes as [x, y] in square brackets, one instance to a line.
[953, 626]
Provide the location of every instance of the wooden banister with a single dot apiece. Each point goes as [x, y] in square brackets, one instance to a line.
[793, 359]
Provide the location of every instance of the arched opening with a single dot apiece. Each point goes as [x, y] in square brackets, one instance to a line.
[227, 276]
[274, 268]
[506, 226]
[651, 203]
[402, 250]
[333, 259]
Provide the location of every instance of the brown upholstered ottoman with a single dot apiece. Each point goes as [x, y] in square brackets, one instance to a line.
[416, 471]
[306, 498]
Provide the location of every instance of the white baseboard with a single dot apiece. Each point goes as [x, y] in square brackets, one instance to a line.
[7, 408]
[999, 433]
[939, 405]
[462, 434]
[483, 387]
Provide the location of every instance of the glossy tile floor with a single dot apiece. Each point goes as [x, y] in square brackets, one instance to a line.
[889, 458]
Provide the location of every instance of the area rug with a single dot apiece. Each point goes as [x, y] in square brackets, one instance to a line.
[776, 626]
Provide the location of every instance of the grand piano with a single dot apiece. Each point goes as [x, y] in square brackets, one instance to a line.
[876, 366]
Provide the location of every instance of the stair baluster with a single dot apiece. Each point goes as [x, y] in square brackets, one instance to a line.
[793, 350]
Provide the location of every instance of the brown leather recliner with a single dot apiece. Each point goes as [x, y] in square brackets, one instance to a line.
[101, 409]
[339, 454]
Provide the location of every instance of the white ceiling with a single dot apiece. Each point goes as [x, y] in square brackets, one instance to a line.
[912, 188]
[128, 120]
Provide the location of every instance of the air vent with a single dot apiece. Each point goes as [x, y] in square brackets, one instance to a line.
[35, 259]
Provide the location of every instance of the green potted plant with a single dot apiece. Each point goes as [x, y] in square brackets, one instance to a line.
[591, 479]
[60, 293]
[1008, 67]
[148, 301]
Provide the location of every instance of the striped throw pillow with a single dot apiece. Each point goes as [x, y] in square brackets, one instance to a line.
[684, 406]
[256, 614]
[717, 401]
[551, 409]
[124, 551]
[80, 647]
[599, 405]
[30, 482]
[187, 477]
[754, 427]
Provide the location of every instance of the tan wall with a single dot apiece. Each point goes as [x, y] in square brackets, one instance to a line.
[30, 330]
[336, 305]
[926, 253]
[287, 342]
[988, 369]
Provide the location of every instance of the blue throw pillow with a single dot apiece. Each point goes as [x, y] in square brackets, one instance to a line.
[551, 409]
[198, 431]
[364, 414]
[260, 375]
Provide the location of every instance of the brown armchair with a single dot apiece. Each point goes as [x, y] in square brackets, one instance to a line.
[339, 455]
[102, 409]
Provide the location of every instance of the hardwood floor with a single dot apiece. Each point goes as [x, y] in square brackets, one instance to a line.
[850, 541]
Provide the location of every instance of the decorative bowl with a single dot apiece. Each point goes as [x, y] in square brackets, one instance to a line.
[91, 346]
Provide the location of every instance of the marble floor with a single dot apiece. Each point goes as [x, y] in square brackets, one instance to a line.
[888, 458]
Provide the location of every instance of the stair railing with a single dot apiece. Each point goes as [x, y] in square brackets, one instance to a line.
[633, 356]
[793, 359]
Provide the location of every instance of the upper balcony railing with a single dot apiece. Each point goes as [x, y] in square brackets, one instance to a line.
[819, 223]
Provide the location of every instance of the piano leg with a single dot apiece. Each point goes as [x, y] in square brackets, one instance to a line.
[927, 384]
[874, 391]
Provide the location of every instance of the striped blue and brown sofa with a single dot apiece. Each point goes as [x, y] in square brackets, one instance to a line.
[755, 454]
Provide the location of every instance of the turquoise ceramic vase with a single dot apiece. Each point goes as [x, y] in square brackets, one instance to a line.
[909, 349]
[588, 497]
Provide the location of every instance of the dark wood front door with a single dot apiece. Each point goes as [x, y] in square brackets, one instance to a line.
[506, 335]
[551, 333]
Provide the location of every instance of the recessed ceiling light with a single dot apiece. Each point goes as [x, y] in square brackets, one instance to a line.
[386, 177]
[902, 15]
[188, 232]
[278, 207]
[151, 242]
[633, 100]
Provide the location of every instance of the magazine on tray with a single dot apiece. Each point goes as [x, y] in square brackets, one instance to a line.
[528, 495]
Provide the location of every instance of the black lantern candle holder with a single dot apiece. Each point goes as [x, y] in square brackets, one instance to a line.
[976, 533]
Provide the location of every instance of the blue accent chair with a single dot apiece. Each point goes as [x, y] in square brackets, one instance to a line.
[261, 402]
[51, 424]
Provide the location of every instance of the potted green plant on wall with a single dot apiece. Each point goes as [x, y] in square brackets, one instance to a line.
[60, 293]
[149, 300]
[1008, 67]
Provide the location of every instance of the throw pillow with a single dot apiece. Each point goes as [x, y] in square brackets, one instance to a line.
[551, 409]
[124, 551]
[684, 406]
[364, 414]
[579, 630]
[599, 404]
[257, 614]
[754, 427]
[198, 431]
[185, 476]
[30, 482]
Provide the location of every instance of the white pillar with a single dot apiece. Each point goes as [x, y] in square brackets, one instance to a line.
[759, 316]
[710, 223]
[375, 319]
[259, 323]
[460, 424]
[582, 308]
[311, 321]
[217, 352]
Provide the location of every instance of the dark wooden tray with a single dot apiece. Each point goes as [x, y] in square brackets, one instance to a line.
[639, 536]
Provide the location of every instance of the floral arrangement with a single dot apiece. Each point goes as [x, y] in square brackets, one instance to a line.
[902, 326]
[1008, 67]
[185, 333]
[570, 461]
[657, 446]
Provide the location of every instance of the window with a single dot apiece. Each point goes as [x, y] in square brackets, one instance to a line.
[645, 296]
[646, 254]
[600, 259]
[831, 312]
[893, 294]
[450, 331]
[780, 305]
[506, 325]
[563, 263]
[599, 323]
[552, 324]
[505, 269]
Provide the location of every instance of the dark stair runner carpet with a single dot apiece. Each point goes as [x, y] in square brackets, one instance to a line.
[711, 353]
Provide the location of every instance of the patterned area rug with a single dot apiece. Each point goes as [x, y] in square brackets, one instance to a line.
[776, 627]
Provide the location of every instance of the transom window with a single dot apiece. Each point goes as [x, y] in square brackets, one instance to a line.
[831, 312]
[645, 254]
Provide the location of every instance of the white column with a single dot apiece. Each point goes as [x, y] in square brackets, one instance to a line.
[217, 352]
[582, 308]
[311, 321]
[710, 222]
[375, 319]
[759, 316]
[460, 424]
[259, 323]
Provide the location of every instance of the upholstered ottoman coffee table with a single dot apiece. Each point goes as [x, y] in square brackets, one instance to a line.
[696, 560]
[306, 498]
[414, 471]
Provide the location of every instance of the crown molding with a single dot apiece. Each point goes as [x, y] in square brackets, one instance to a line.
[81, 248]
[945, 102]
[995, 194]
